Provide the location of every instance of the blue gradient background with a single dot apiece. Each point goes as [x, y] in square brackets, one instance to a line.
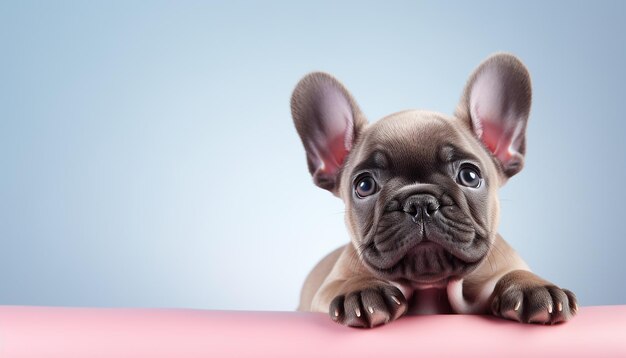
[148, 156]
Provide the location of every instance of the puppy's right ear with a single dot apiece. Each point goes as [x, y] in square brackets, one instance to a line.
[328, 121]
[496, 105]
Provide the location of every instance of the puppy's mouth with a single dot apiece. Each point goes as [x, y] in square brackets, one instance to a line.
[425, 252]
[426, 263]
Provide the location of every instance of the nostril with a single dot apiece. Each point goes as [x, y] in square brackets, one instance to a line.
[411, 209]
[431, 209]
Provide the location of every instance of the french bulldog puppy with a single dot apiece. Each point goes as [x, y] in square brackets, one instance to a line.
[421, 195]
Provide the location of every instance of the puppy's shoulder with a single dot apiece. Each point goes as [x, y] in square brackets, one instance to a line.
[318, 275]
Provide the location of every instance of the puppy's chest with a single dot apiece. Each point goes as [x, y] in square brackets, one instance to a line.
[429, 301]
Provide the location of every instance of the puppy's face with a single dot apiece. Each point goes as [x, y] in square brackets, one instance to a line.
[420, 188]
[420, 194]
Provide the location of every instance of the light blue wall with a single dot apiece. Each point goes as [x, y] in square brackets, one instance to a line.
[147, 154]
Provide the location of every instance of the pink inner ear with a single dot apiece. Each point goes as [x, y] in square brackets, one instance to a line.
[332, 155]
[333, 139]
[493, 134]
[496, 125]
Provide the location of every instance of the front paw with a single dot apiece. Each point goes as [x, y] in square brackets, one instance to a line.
[369, 307]
[521, 296]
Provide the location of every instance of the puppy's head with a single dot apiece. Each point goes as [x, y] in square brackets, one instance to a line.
[420, 188]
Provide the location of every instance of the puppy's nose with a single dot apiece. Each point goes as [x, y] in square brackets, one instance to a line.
[421, 206]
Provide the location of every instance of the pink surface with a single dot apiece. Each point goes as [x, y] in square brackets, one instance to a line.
[97, 332]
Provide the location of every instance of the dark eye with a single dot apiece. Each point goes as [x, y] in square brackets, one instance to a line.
[468, 176]
[366, 186]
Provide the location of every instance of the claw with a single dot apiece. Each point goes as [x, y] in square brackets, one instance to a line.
[336, 312]
[550, 308]
[395, 300]
[370, 309]
[517, 305]
[358, 312]
[559, 306]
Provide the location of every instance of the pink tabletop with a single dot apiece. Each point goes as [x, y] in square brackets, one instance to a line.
[102, 332]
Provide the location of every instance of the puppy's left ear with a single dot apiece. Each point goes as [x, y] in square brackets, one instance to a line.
[329, 122]
[496, 105]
